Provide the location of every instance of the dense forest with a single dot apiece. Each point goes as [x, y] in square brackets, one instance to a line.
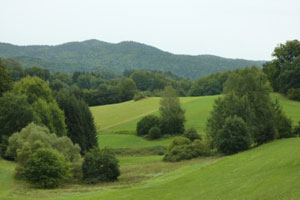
[94, 55]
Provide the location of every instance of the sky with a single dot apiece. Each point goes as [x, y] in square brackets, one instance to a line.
[248, 29]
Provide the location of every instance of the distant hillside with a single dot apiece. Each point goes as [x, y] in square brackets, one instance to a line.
[94, 55]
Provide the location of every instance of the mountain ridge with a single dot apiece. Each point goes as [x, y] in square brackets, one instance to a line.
[95, 55]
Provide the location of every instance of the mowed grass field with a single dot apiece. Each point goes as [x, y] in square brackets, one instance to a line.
[271, 171]
[121, 119]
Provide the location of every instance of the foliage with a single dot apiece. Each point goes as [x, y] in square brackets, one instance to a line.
[209, 85]
[128, 89]
[192, 134]
[172, 115]
[15, 114]
[154, 133]
[146, 123]
[79, 120]
[33, 137]
[100, 166]
[252, 84]
[43, 74]
[282, 123]
[296, 130]
[229, 106]
[294, 94]
[284, 70]
[234, 136]
[35, 88]
[184, 149]
[39, 95]
[93, 55]
[5, 80]
[46, 169]
[247, 96]
[139, 96]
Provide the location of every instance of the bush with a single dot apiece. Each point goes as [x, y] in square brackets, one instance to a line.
[179, 141]
[296, 130]
[46, 169]
[183, 149]
[294, 94]
[139, 96]
[154, 133]
[234, 136]
[33, 137]
[146, 123]
[100, 166]
[201, 147]
[192, 134]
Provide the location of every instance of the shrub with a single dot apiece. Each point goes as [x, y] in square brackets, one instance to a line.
[154, 133]
[46, 169]
[33, 137]
[234, 136]
[100, 166]
[296, 130]
[183, 149]
[179, 141]
[139, 96]
[294, 94]
[192, 134]
[146, 123]
[201, 147]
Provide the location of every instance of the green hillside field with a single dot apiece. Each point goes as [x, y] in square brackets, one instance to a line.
[270, 171]
[117, 123]
[267, 172]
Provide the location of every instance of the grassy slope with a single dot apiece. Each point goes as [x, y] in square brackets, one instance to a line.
[129, 141]
[6, 180]
[267, 172]
[291, 108]
[123, 118]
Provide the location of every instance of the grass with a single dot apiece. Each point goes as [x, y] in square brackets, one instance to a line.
[291, 108]
[122, 119]
[129, 141]
[124, 116]
[271, 171]
[268, 172]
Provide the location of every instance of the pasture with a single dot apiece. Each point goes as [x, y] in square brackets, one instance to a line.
[270, 171]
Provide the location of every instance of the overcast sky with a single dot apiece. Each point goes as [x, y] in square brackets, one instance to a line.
[247, 29]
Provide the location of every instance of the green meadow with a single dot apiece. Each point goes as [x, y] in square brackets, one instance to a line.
[117, 122]
[271, 171]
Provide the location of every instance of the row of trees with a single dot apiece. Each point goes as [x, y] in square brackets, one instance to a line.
[99, 88]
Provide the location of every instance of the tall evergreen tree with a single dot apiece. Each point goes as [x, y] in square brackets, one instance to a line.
[79, 120]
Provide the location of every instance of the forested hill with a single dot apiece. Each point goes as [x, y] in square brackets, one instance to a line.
[94, 55]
